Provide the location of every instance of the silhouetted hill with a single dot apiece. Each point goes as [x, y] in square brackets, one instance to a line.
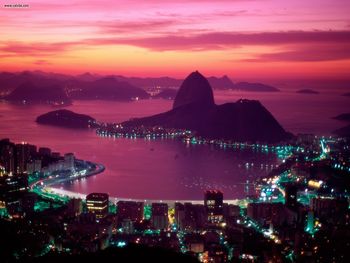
[107, 88]
[343, 132]
[30, 92]
[194, 109]
[194, 89]
[247, 86]
[346, 94]
[221, 83]
[343, 117]
[66, 118]
[167, 93]
[164, 82]
[308, 91]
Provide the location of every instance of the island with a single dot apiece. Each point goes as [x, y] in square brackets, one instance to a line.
[67, 119]
[346, 94]
[308, 91]
[258, 87]
[194, 109]
[343, 117]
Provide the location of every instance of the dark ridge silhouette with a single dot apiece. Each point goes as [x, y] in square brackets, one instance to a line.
[107, 88]
[221, 83]
[195, 89]
[164, 82]
[343, 117]
[31, 92]
[343, 132]
[346, 94]
[168, 94]
[308, 91]
[194, 109]
[247, 86]
[87, 76]
[66, 118]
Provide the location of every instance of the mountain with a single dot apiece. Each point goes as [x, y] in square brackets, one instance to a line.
[346, 94]
[87, 76]
[343, 132]
[66, 118]
[247, 86]
[194, 109]
[308, 91]
[167, 93]
[30, 92]
[164, 82]
[107, 88]
[195, 89]
[221, 83]
[343, 117]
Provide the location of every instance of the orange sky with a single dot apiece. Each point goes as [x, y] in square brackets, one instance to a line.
[240, 38]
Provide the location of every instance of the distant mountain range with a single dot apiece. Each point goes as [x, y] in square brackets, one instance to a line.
[308, 91]
[194, 109]
[25, 86]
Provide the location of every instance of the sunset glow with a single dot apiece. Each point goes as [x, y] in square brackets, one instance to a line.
[240, 38]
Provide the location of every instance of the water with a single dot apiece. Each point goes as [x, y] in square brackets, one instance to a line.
[167, 169]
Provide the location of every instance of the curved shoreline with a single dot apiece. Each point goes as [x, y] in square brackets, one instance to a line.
[99, 168]
[70, 194]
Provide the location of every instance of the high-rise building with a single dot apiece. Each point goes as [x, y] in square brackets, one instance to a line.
[291, 191]
[159, 216]
[130, 210]
[44, 151]
[97, 203]
[69, 161]
[75, 207]
[7, 158]
[24, 152]
[213, 202]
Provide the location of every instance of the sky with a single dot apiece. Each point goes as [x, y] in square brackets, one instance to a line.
[273, 39]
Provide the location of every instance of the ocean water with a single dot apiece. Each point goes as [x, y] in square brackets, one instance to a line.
[168, 169]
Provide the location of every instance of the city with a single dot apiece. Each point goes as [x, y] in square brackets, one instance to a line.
[175, 131]
[296, 212]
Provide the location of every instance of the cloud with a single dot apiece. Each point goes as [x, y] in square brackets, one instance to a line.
[291, 46]
[41, 62]
[309, 53]
[12, 48]
[222, 40]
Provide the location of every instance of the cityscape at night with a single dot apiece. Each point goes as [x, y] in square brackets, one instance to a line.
[175, 131]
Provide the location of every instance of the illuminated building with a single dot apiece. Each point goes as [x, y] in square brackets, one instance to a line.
[13, 183]
[97, 203]
[213, 202]
[75, 207]
[291, 195]
[69, 161]
[159, 218]
[7, 157]
[24, 152]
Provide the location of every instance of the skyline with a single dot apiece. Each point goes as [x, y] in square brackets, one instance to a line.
[243, 39]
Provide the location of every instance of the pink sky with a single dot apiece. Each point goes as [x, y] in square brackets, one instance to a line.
[240, 38]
